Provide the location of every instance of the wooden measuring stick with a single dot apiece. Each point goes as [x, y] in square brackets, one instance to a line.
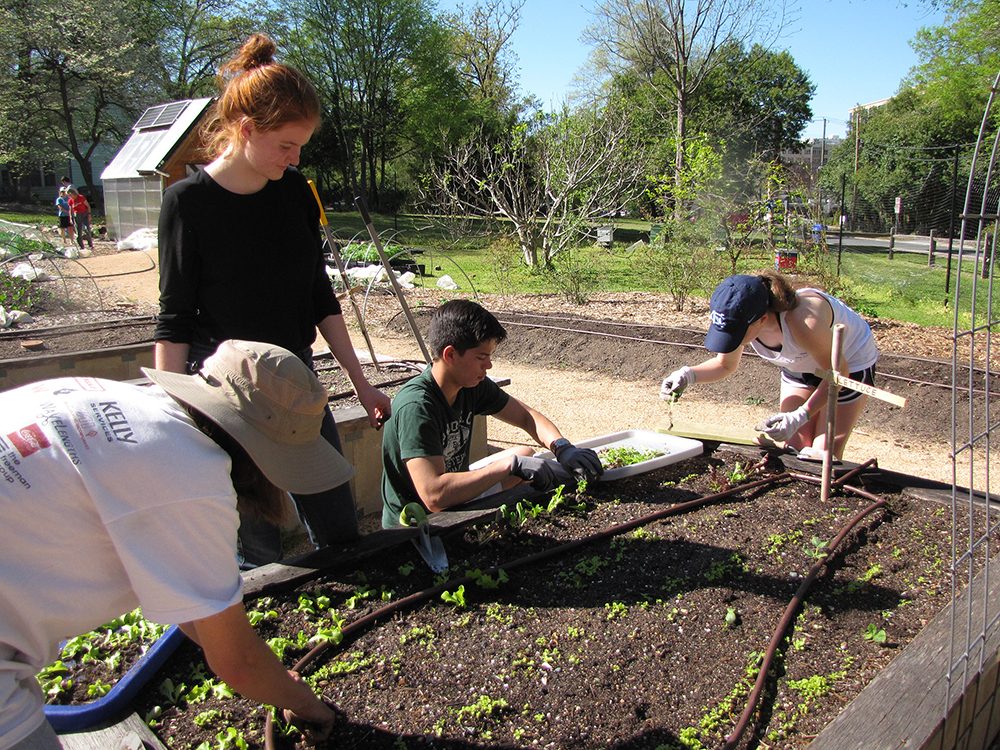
[831, 415]
[343, 275]
[869, 390]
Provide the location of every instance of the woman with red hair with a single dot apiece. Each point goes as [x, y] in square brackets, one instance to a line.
[241, 257]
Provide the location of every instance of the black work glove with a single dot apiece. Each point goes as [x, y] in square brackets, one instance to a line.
[538, 471]
[583, 463]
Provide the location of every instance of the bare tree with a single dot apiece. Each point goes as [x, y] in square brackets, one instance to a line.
[548, 178]
[673, 45]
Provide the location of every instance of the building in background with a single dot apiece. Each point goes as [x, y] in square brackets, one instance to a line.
[807, 161]
[43, 181]
[165, 147]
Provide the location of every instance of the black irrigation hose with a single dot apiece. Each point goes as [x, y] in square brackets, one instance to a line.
[779, 633]
[415, 598]
[791, 609]
[72, 328]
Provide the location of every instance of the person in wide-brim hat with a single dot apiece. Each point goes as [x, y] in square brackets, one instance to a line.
[149, 484]
[272, 405]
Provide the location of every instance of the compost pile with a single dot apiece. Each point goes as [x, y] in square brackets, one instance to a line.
[648, 639]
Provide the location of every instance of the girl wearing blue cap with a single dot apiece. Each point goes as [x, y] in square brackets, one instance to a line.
[794, 330]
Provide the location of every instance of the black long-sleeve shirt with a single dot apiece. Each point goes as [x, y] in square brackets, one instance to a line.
[242, 266]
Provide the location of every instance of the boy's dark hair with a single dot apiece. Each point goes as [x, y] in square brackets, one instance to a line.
[64, 179]
[463, 324]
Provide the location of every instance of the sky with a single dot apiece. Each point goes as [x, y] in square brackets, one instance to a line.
[854, 51]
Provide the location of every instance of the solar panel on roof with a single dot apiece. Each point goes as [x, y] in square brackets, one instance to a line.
[162, 115]
[169, 114]
[148, 117]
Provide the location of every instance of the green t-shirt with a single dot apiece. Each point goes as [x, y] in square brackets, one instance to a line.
[424, 424]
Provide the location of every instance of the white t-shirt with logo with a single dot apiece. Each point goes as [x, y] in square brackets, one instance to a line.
[110, 498]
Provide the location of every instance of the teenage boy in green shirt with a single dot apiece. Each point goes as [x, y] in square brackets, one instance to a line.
[426, 442]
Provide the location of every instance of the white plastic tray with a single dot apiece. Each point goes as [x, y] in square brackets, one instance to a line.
[674, 449]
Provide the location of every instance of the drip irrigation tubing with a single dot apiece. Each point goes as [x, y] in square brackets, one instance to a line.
[152, 267]
[793, 606]
[66, 330]
[353, 629]
[753, 700]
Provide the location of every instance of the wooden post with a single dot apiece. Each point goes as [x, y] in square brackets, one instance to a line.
[931, 247]
[988, 255]
[831, 412]
[892, 242]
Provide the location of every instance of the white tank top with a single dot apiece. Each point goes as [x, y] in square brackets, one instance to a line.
[858, 344]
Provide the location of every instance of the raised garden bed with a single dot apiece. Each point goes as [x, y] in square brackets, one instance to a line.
[649, 638]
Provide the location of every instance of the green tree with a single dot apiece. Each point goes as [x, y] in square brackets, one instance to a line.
[673, 46]
[195, 37]
[958, 63]
[756, 100]
[482, 50]
[378, 68]
[73, 76]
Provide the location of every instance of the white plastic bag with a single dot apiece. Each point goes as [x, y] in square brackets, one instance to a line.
[28, 272]
[446, 282]
[140, 239]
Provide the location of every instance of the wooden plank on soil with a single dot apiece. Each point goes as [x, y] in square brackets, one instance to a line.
[716, 432]
[131, 733]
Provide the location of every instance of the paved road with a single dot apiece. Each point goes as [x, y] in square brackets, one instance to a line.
[904, 244]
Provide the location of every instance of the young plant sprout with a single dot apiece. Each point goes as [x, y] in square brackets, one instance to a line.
[625, 455]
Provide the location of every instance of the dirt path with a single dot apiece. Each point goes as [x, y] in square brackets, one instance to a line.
[583, 404]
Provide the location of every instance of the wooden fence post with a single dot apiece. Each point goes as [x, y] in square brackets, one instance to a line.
[892, 242]
[988, 256]
[931, 247]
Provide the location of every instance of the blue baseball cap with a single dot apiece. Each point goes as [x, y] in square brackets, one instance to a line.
[736, 303]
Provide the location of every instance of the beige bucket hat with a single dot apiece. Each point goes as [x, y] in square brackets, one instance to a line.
[270, 403]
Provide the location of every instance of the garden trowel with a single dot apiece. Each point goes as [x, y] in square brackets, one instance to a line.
[430, 547]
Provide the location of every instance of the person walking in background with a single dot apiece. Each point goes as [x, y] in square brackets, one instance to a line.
[149, 505]
[65, 222]
[241, 257]
[794, 330]
[80, 209]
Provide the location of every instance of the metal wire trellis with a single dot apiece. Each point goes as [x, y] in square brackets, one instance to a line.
[973, 428]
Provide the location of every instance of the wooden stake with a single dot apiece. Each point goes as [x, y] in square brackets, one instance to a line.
[831, 411]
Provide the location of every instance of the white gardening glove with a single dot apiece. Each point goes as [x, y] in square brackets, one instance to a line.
[675, 383]
[781, 427]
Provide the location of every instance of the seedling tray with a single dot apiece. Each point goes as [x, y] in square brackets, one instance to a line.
[674, 449]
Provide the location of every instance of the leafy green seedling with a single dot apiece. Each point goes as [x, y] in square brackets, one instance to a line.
[406, 569]
[817, 548]
[456, 598]
[486, 581]
[171, 692]
[874, 634]
[626, 455]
